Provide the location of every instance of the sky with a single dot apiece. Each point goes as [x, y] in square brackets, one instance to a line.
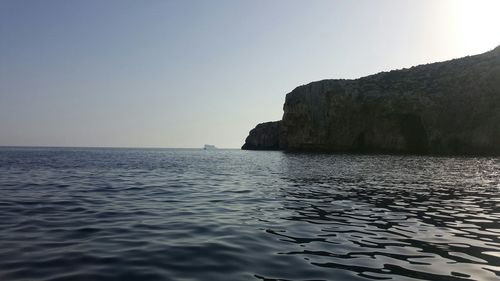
[187, 73]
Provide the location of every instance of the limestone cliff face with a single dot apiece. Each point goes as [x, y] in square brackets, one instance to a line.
[451, 107]
[264, 136]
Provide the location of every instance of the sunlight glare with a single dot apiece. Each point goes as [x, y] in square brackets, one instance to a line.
[476, 25]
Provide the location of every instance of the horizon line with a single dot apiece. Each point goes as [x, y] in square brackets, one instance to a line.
[118, 147]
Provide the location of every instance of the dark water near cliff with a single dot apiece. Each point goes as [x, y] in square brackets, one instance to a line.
[132, 214]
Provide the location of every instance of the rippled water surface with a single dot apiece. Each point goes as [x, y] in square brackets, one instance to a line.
[146, 214]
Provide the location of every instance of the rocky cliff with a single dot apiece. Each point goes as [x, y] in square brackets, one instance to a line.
[450, 107]
[264, 136]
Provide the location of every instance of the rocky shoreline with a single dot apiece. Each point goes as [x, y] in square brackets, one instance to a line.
[450, 107]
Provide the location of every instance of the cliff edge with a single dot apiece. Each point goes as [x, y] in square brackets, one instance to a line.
[264, 136]
[450, 107]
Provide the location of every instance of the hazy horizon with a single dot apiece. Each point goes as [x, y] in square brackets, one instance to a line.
[181, 74]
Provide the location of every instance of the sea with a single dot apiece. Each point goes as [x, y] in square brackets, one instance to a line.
[194, 214]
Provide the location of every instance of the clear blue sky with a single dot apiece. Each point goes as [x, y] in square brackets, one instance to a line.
[185, 73]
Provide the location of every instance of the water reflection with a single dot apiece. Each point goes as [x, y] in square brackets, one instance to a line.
[389, 217]
[130, 214]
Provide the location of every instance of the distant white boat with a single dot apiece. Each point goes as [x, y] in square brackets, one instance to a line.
[209, 147]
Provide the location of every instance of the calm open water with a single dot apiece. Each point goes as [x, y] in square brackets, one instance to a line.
[162, 214]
